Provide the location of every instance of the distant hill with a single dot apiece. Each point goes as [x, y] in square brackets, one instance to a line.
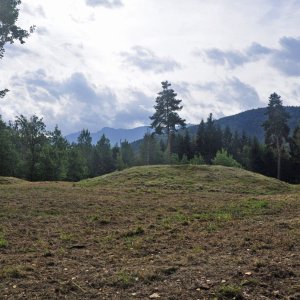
[114, 135]
[250, 121]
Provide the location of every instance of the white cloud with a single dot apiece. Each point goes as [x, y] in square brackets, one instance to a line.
[85, 81]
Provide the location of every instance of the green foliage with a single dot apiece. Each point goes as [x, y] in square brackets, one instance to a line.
[197, 160]
[165, 118]
[8, 152]
[127, 154]
[276, 128]
[76, 165]
[103, 161]
[85, 148]
[224, 159]
[9, 31]
[3, 241]
[149, 151]
[32, 136]
[230, 292]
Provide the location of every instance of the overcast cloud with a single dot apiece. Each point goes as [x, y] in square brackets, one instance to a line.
[96, 63]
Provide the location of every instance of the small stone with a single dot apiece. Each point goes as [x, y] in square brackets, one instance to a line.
[223, 281]
[14, 287]
[65, 269]
[133, 294]
[248, 273]
[154, 296]
[204, 286]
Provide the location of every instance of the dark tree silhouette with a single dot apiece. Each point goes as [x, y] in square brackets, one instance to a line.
[166, 119]
[276, 128]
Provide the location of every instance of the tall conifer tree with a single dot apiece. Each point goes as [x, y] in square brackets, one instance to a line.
[276, 128]
[166, 119]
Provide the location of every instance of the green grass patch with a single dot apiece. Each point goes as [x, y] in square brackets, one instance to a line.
[123, 279]
[98, 219]
[66, 236]
[230, 292]
[3, 241]
[11, 272]
[175, 219]
[135, 232]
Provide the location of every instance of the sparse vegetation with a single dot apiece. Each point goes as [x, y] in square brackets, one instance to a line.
[175, 230]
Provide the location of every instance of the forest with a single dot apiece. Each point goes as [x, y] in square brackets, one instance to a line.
[29, 151]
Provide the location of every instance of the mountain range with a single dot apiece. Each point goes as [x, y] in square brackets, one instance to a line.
[249, 121]
[114, 135]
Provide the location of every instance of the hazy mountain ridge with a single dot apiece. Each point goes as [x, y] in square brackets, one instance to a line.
[114, 135]
[249, 121]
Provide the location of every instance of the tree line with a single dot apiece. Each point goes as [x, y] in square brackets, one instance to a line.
[29, 151]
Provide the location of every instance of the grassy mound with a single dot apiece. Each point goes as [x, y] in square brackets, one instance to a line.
[10, 180]
[190, 177]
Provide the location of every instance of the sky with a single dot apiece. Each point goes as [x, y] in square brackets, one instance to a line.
[97, 63]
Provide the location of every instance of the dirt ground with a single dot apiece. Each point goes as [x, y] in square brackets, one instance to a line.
[151, 233]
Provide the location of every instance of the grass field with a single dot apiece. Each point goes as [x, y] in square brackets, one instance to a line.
[168, 232]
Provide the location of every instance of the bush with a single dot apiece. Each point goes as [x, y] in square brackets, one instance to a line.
[223, 158]
[197, 160]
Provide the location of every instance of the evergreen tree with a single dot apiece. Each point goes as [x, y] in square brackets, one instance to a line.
[295, 145]
[53, 161]
[256, 163]
[227, 139]
[76, 165]
[166, 119]
[150, 152]
[295, 154]
[84, 143]
[127, 154]
[103, 161]
[212, 139]
[276, 128]
[200, 138]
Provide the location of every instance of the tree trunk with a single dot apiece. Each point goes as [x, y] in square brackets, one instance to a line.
[169, 146]
[278, 159]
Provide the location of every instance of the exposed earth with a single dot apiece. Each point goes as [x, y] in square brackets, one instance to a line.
[159, 232]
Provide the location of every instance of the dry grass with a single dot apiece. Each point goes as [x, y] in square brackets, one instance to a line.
[184, 232]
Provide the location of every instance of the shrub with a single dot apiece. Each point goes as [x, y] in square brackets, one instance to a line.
[223, 158]
[197, 160]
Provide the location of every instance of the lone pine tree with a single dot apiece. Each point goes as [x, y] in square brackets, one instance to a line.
[166, 119]
[276, 128]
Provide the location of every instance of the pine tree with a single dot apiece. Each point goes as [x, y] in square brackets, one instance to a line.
[127, 154]
[200, 138]
[84, 143]
[166, 119]
[276, 128]
[149, 151]
[103, 161]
